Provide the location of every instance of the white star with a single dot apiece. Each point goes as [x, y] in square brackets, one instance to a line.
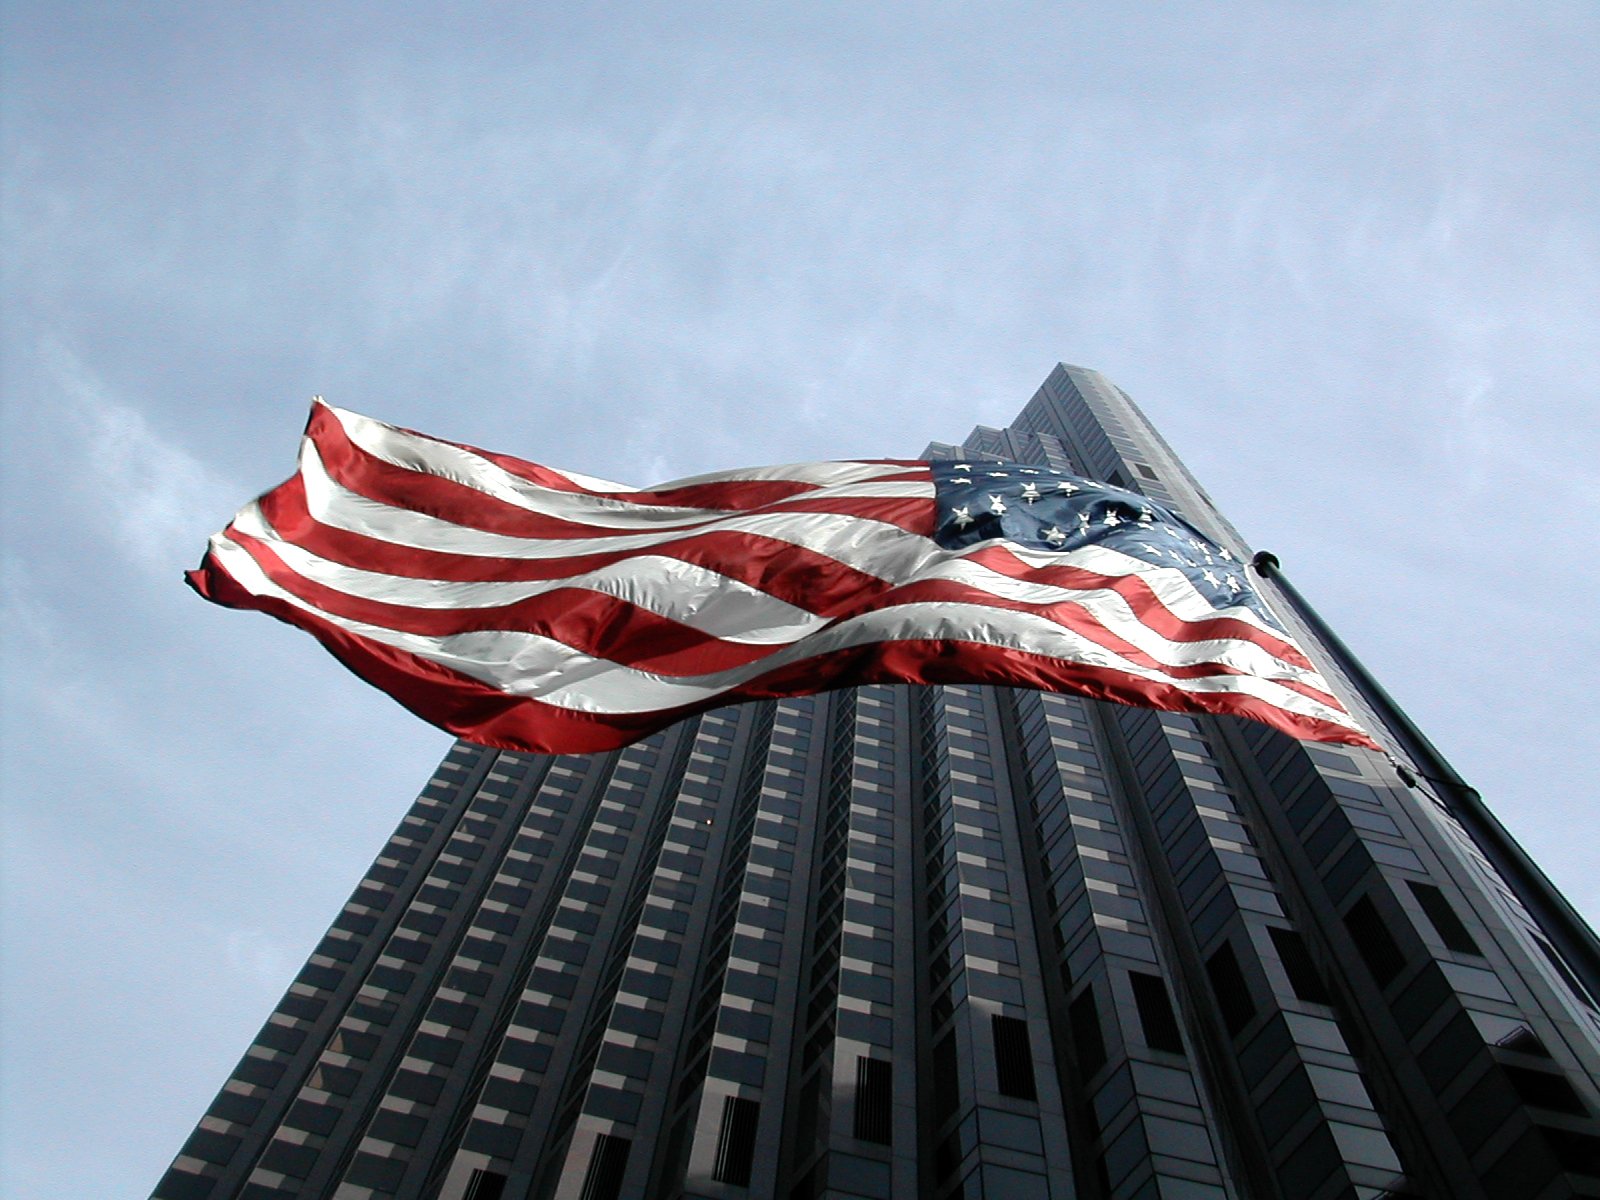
[997, 475]
[997, 505]
[962, 516]
[1027, 471]
[1030, 492]
[1233, 585]
[962, 467]
[1146, 515]
[1083, 520]
[1065, 487]
[1111, 518]
[1226, 553]
[1054, 536]
[1210, 578]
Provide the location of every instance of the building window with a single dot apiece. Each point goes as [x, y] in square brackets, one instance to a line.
[1013, 1056]
[610, 1159]
[1303, 975]
[1446, 924]
[1374, 941]
[1233, 996]
[736, 1141]
[1160, 1023]
[874, 1100]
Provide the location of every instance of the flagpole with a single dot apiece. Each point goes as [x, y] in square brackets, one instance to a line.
[1551, 911]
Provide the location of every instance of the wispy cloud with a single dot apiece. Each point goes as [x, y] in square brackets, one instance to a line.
[153, 500]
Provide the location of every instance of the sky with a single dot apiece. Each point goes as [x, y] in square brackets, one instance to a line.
[1346, 256]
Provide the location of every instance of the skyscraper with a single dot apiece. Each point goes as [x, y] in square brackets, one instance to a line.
[940, 941]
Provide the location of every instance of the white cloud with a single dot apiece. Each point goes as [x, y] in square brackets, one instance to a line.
[154, 499]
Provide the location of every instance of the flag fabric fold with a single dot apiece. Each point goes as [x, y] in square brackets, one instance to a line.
[527, 608]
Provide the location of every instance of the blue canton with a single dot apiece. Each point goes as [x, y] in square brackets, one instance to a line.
[1041, 509]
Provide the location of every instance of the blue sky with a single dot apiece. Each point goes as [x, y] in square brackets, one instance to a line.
[1346, 256]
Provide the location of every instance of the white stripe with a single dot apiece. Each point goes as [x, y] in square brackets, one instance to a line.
[701, 599]
[858, 542]
[424, 455]
[729, 610]
[1112, 611]
[874, 548]
[537, 667]
[1172, 587]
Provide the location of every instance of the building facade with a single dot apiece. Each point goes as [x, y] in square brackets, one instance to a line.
[938, 942]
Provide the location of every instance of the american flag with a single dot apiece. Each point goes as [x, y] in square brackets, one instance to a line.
[532, 609]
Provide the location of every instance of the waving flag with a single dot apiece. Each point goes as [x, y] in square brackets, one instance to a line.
[533, 609]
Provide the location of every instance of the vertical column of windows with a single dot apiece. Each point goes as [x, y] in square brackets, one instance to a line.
[816, 1003]
[563, 919]
[588, 906]
[1316, 1123]
[1465, 1014]
[712, 1102]
[626, 1064]
[388, 1024]
[860, 1132]
[725, 1061]
[1141, 1106]
[688, 922]
[987, 1136]
[478, 993]
[1574, 1005]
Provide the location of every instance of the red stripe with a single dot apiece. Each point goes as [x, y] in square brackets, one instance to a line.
[445, 499]
[793, 574]
[614, 629]
[788, 572]
[473, 710]
[1144, 601]
[1076, 616]
[589, 622]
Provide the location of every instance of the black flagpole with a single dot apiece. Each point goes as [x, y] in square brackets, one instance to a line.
[1561, 923]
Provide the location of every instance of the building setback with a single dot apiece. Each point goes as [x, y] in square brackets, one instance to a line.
[938, 942]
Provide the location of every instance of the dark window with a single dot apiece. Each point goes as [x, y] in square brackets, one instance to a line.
[736, 1141]
[1445, 922]
[485, 1185]
[874, 1096]
[1233, 997]
[604, 1180]
[1013, 1058]
[1155, 1013]
[1374, 941]
[1575, 1151]
[1303, 975]
[1544, 1089]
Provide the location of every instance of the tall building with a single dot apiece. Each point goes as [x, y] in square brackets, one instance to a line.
[939, 942]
